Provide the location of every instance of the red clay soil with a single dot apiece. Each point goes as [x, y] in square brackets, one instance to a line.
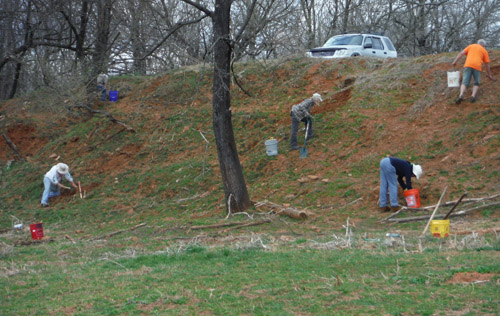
[26, 139]
[471, 277]
[402, 126]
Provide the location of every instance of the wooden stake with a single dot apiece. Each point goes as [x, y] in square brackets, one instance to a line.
[119, 231]
[434, 213]
[80, 188]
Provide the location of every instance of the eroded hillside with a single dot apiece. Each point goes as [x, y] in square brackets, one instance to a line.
[372, 108]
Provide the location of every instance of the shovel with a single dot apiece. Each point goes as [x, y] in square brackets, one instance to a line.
[303, 150]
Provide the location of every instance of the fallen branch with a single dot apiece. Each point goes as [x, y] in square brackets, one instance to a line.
[288, 211]
[90, 148]
[13, 147]
[458, 213]
[249, 224]
[34, 241]
[451, 203]
[119, 232]
[215, 225]
[393, 214]
[106, 114]
[480, 232]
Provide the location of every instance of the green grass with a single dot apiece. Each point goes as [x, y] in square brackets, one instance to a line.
[228, 281]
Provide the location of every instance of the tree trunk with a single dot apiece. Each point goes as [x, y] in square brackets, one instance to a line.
[237, 198]
[138, 50]
[101, 53]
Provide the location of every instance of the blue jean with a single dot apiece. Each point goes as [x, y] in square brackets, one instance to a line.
[103, 91]
[50, 190]
[388, 180]
[295, 128]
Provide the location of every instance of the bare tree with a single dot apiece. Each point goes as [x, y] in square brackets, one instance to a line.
[235, 189]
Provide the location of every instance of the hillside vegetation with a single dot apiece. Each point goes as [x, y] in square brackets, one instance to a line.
[154, 183]
[372, 108]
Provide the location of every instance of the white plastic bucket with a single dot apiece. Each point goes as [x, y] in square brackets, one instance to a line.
[453, 79]
[271, 147]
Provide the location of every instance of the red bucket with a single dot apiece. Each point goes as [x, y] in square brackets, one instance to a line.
[412, 198]
[36, 231]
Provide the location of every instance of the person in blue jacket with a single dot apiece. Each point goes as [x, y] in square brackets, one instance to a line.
[392, 171]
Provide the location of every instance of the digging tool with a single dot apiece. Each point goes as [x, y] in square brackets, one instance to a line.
[454, 206]
[303, 150]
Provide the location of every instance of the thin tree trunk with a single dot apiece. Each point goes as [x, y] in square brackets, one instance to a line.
[235, 189]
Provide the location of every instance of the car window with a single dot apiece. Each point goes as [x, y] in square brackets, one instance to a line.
[377, 43]
[389, 45]
[344, 40]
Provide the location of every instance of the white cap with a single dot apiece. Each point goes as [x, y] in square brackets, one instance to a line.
[417, 171]
[317, 98]
[62, 168]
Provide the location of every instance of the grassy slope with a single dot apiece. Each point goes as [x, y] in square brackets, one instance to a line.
[164, 174]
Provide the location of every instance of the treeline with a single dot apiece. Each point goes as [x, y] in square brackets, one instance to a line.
[47, 42]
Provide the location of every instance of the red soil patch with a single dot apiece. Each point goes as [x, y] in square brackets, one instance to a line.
[114, 163]
[470, 277]
[25, 138]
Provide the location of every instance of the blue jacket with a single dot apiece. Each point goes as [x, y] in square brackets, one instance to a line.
[403, 169]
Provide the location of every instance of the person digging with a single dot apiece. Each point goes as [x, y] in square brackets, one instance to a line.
[52, 182]
[392, 171]
[302, 113]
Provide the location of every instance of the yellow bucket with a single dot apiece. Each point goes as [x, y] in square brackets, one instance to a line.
[440, 228]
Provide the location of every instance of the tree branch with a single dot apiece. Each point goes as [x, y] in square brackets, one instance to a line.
[199, 7]
[175, 28]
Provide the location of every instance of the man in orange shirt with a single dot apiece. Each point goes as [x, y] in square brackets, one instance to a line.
[476, 56]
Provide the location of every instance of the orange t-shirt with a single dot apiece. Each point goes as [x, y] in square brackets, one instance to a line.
[476, 56]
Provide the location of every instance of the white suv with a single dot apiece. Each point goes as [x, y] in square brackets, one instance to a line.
[347, 45]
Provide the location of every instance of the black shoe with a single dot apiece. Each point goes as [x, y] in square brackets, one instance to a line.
[472, 100]
[294, 148]
[459, 100]
[44, 205]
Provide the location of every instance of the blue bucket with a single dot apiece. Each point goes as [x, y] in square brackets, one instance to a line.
[113, 96]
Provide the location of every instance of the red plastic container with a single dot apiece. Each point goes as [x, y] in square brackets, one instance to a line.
[36, 231]
[412, 198]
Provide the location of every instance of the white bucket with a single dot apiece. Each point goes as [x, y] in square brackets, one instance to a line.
[271, 147]
[453, 79]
